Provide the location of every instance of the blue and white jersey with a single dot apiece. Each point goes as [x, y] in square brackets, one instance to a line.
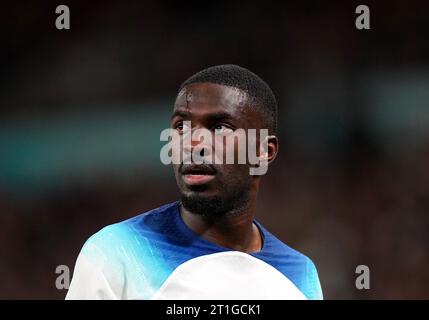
[156, 256]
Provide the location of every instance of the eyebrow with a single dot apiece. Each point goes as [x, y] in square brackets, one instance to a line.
[180, 113]
[215, 117]
[220, 116]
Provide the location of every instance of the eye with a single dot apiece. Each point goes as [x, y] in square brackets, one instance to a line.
[180, 126]
[222, 128]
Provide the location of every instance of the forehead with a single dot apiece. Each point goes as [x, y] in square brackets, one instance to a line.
[210, 96]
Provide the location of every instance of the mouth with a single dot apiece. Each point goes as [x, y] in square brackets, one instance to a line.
[198, 174]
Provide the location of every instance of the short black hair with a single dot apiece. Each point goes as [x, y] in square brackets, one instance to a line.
[231, 75]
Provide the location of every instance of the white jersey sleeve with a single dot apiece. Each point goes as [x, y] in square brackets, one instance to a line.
[89, 282]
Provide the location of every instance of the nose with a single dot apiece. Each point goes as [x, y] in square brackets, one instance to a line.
[202, 142]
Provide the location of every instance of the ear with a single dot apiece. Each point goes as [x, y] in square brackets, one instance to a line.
[272, 149]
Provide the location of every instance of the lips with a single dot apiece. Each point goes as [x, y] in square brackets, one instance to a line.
[194, 174]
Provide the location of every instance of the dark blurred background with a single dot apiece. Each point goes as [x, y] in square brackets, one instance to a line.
[81, 112]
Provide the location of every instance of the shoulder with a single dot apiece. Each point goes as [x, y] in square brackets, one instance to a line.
[295, 265]
[114, 239]
[119, 260]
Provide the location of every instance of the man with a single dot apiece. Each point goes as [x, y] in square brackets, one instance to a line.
[208, 245]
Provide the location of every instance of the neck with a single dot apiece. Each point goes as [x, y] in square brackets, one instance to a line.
[235, 231]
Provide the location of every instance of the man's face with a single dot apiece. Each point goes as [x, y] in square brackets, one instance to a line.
[214, 188]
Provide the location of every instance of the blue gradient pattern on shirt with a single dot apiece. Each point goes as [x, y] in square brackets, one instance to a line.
[147, 248]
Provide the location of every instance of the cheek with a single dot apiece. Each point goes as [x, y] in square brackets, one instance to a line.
[235, 174]
[176, 149]
[176, 170]
[234, 149]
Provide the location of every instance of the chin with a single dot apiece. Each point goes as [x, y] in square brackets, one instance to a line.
[203, 203]
[200, 190]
